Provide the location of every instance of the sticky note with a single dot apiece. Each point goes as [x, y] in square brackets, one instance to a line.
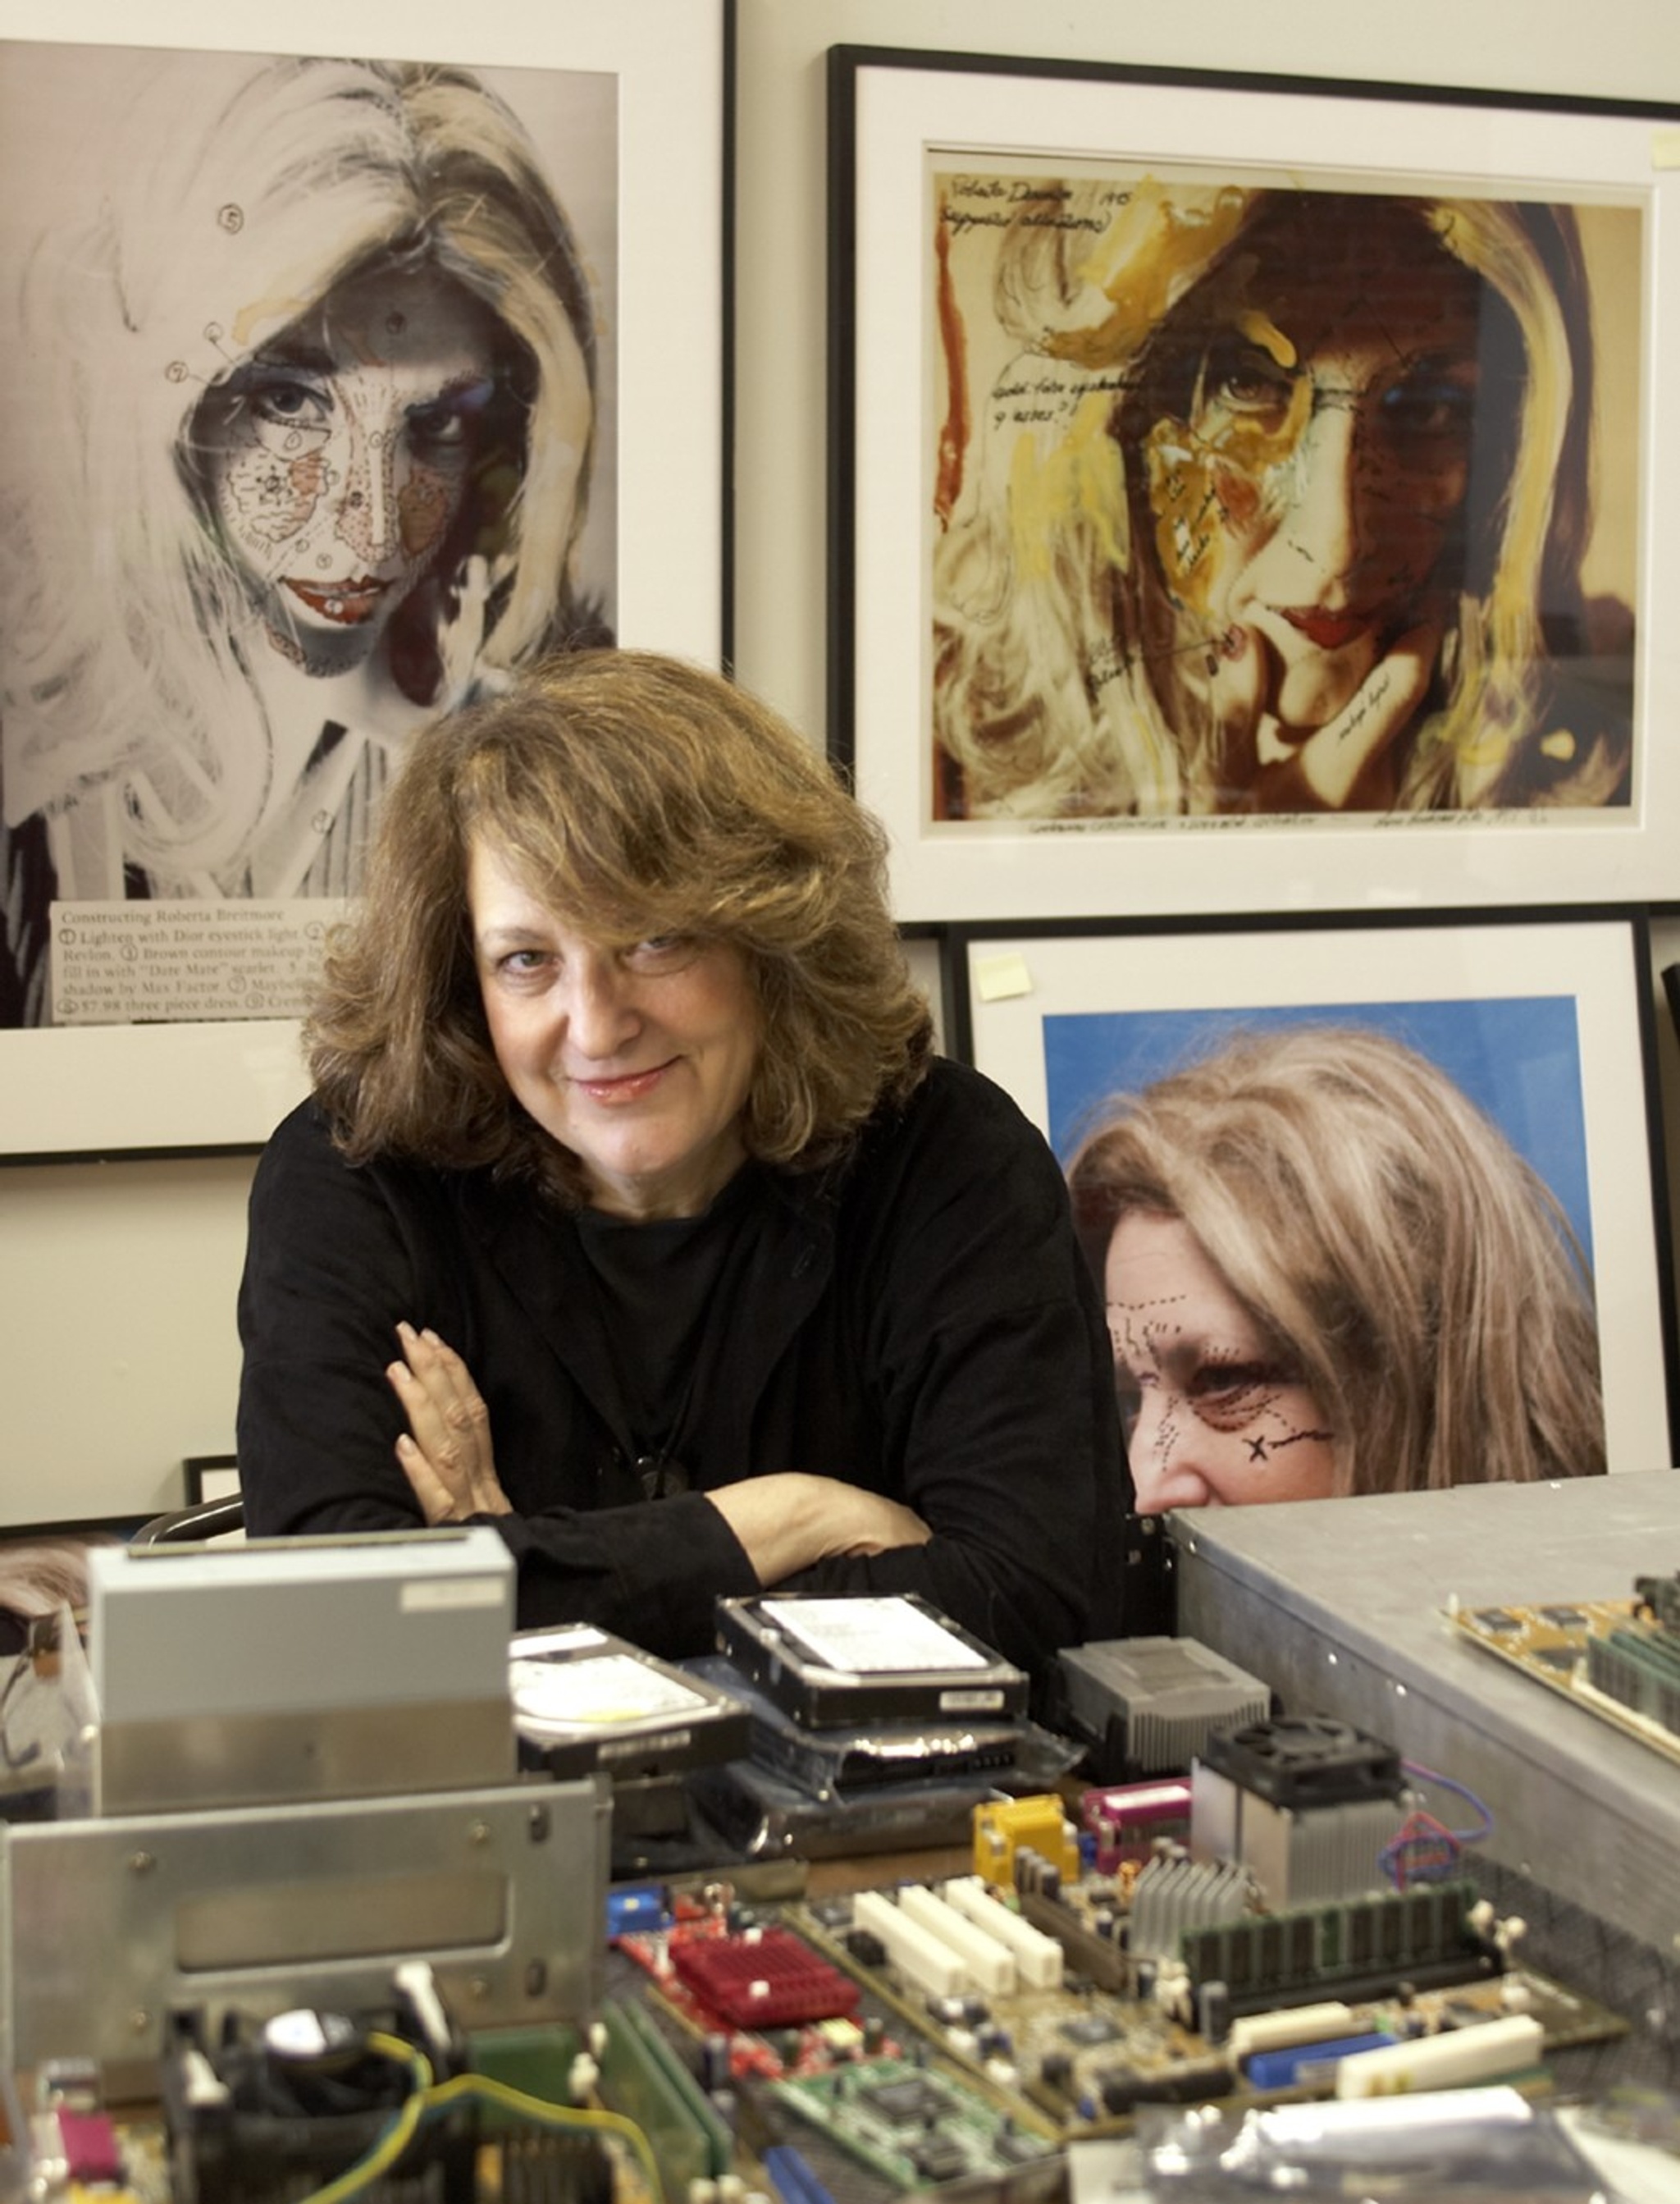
[998, 978]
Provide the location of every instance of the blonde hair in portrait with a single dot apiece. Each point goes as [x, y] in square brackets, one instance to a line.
[1417, 1271]
[240, 197]
[1082, 646]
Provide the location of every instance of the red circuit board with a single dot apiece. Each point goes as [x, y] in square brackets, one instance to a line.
[768, 1978]
[707, 1972]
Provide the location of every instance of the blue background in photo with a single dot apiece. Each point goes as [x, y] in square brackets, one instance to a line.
[1518, 1058]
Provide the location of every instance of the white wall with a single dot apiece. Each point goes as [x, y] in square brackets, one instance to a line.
[117, 1354]
[117, 1351]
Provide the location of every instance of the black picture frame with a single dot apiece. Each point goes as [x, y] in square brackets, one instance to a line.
[1186, 984]
[893, 114]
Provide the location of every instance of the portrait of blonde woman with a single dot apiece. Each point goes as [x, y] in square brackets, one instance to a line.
[304, 378]
[1272, 500]
[1328, 1270]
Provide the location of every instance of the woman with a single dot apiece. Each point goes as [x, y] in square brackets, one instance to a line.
[633, 1212]
[308, 458]
[1327, 1271]
[1282, 508]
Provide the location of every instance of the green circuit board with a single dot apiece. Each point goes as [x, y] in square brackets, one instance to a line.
[1611, 1657]
[1083, 2058]
[913, 2121]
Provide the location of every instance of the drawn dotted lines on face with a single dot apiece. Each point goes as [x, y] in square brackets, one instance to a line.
[1136, 1327]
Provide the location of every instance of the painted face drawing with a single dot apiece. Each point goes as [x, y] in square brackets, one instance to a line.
[340, 455]
[1215, 1415]
[1307, 478]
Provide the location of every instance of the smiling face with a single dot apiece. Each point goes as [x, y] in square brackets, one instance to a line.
[1216, 1412]
[339, 456]
[638, 1057]
[1307, 480]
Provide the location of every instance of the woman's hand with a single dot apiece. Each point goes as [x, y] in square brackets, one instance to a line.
[1349, 764]
[445, 1453]
[788, 1521]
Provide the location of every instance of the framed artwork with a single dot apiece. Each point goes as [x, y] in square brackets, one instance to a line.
[1464, 1099]
[343, 390]
[210, 1477]
[1247, 491]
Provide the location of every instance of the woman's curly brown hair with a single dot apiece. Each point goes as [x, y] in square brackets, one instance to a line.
[634, 795]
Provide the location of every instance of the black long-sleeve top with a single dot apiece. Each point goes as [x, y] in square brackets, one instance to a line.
[918, 1321]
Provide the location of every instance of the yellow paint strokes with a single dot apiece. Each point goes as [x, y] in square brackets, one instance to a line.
[1247, 442]
[1158, 244]
[1261, 330]
[265, 316]
[1486, 752]
[1181, 498]
[1206, 487]
[1080, 478]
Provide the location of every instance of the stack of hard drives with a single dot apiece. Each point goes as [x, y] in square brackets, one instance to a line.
[876, 1722]
[587, 1703]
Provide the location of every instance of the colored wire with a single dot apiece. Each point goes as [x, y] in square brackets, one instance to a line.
[1424, 1851]
[1460, 1790]
[539, 2109]
[395, 2140]
[428, 2100]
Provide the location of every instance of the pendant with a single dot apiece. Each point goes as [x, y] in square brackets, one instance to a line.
[661, 1475]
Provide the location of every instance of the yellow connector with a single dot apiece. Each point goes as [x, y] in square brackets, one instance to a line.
[1006, 1826]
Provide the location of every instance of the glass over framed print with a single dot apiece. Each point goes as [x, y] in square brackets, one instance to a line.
[1247, 490]
[1372, 1202]
[339, 391]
